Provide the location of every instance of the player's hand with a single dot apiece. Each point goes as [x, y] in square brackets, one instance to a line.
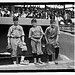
[24, 43]
[35, 40]
[8, 46]
[47, 42]
[39, 40]
[53, 42]
[8, 43]
[56, 41]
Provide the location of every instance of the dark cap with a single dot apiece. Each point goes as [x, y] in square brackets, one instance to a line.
[52, 21]
[15, 18]
[33, 20]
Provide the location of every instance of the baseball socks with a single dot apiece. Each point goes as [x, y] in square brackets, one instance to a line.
[22, 59]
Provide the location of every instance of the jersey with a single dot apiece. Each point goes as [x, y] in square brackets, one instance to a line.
[36, 32]
[51, 33]
[15, 31]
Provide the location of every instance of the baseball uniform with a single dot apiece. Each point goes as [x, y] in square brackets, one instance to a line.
[51, 35]
[36, 33]
[15, 33]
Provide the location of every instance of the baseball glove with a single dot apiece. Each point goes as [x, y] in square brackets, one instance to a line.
[8, 48]
[23, 46]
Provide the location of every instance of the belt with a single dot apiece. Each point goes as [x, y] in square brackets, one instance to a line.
[15, 37]
[36, 37]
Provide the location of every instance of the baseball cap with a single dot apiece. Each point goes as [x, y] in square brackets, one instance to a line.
[52, 21]
[15, 18]
[33, 20]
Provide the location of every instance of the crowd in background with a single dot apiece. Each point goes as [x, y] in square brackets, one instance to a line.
[37, 12]
[4, 12]
[64, 16]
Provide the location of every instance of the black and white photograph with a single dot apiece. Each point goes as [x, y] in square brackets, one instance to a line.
[37, 36]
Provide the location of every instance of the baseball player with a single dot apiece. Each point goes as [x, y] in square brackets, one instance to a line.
[16, 39]
[52, 36]
[35, 34]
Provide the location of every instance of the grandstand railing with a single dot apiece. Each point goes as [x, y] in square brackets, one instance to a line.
[27, 21]
[23, 21]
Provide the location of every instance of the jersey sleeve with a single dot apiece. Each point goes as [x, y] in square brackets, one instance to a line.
[30, 33]
[58, 31]
[46, 31]
[22, 31]
[9, 32]
[41, 30]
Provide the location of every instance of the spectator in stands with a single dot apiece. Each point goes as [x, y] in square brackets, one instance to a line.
[12, 14]
[23, 14]
[37, 15]
[16, 14]
[30, 15]
[43, 15]
[37, 12]
[46, 15]
[2, 12]
[65, 16]
[40, 14]
[6, 12]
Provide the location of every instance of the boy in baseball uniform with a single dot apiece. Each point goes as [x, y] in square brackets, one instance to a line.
[35, 33]
[16, 39]
[52, 36]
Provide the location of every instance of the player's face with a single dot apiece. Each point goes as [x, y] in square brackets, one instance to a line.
[34, 24]
[15, 23]
[52, 25]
